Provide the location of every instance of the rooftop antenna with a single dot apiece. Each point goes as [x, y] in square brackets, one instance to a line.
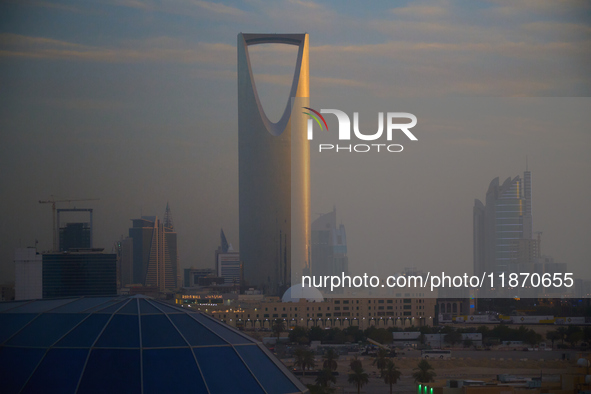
[526, 167]
[168, 217]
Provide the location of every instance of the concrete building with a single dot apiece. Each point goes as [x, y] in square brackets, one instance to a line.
[227, 262]
[28, 274]
[192, 275]
[255, 312]
[450, 307]
[229, 267]
[79, 272]
[582, 288]
[274, 174]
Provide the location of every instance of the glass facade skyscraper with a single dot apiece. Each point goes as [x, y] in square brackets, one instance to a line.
[155, 261]
[74, 236]
[329, 246]
[503, 226]
[508, 222]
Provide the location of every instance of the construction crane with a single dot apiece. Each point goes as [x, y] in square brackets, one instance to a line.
[52, 201]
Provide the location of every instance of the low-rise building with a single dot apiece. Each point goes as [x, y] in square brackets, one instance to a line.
[28, 270]
[340, 313]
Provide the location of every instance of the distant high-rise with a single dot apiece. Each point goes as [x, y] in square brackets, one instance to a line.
[75, 235]
[329, 246]
[274, 174]
[28, 278]
[503, 226]
[124, 249]
[155, 261]
[193, 275]
[229, 267]
[79, 272]
[224, 245]
[227, 262]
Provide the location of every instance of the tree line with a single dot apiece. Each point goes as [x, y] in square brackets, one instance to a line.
[490, 336]
[325, 378]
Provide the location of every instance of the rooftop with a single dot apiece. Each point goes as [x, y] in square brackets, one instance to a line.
[130, 345]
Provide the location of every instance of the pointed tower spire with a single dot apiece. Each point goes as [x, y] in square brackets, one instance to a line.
[223, 242]
[168, 218]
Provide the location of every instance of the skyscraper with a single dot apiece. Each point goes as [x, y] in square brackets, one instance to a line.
[155, 261]
[75, 235]
[274, 175]
[227, 262]
[503, 226]
[124, 249]
[329, 246]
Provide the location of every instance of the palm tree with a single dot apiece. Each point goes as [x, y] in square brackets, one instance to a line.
[278, 328]
[355, 364]
[330, 360]
[553, 336]
[424, 372]
[562, 333]
[381, 359]
[359, 377]
[304, 359]
[575, 337]
[317, 389]
[390, 374]
[453, 337]
[325, 377]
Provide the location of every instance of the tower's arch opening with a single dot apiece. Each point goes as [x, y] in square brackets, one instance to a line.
[273, 67]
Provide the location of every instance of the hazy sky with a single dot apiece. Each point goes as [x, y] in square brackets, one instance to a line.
[414, 208]
[134, 103]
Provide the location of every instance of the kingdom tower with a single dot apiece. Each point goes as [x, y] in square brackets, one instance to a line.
[274, 174]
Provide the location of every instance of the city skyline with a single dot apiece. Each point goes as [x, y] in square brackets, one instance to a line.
[138, 120]
[253, 122]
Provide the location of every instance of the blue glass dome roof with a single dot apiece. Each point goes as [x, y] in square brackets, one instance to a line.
[129, 345]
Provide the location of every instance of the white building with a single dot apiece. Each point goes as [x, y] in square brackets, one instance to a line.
[28, 274]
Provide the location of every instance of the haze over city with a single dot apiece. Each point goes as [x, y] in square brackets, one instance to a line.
[135, 104]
